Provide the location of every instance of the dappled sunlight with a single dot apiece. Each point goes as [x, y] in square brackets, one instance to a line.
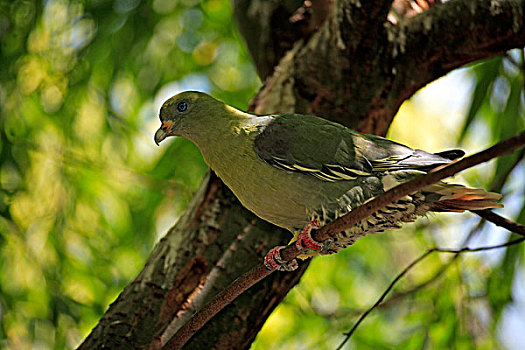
[431, 120]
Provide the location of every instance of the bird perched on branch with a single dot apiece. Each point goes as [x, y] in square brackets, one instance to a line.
[300, 172]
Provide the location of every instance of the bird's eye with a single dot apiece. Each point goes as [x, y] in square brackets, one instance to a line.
[182, 106]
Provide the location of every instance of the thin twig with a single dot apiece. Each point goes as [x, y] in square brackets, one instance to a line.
[440, 272]
[349, 334]
[501, 221]
[497, 185]
[385, 293]
[289, 253]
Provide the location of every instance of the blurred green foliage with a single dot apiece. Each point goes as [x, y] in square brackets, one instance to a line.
[85, 193]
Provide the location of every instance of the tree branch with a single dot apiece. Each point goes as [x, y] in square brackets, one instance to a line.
[362, 212]
[501, 221]
[202, 254]
[392, 195]
[271, 28]
[451, 34]
[342, 74]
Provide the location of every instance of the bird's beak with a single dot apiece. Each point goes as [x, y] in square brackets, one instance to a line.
[160, 135]
[163, 132]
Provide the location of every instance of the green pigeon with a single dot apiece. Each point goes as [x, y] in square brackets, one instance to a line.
[300, 172]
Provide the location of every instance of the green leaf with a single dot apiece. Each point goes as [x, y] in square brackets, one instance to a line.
[485, 74]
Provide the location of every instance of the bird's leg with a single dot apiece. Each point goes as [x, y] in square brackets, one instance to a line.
[273, 261]
[305, 242]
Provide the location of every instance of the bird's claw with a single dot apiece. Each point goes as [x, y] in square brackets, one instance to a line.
[273, 261]
[305, 242]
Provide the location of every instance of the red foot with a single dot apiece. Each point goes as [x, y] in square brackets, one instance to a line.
[305, 241]
[273, 261]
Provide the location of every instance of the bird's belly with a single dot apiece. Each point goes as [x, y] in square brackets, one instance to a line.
[282, 205]
[285, 199]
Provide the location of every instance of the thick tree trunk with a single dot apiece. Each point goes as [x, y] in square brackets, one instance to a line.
[345, 62]
[214, 241]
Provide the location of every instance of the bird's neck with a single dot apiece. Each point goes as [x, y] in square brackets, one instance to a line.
[232, 140]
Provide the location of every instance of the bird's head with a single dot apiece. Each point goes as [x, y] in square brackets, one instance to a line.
[186, 114]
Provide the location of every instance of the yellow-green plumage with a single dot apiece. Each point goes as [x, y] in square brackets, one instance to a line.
[290, 169]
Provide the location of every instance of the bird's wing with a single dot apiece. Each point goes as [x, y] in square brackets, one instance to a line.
[331, 152]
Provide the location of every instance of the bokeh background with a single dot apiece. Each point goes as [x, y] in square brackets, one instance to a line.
[85, 193]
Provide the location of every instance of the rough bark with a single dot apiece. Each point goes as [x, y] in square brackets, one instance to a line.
[271, 33]
[214, 240]
[356, 69]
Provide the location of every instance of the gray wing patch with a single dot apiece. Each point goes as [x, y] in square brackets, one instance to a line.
[349, 155]
[417, 160]
[274, 145]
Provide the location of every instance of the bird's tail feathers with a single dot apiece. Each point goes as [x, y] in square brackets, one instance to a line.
[458, 198]
[452, 154]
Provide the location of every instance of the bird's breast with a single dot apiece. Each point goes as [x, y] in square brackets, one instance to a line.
[283, 198]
